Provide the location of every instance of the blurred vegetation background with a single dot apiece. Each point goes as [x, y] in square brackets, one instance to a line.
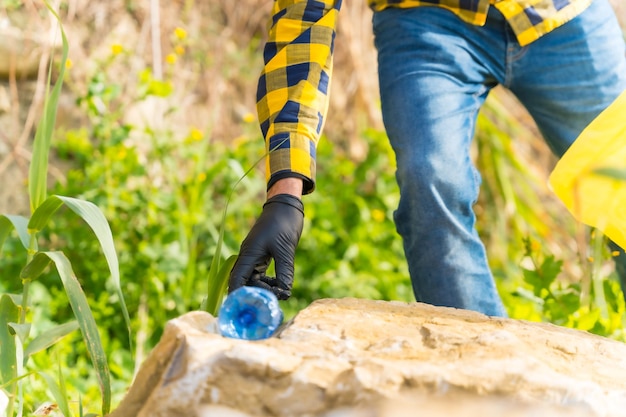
[156, 124]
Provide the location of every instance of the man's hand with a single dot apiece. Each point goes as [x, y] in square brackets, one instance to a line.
[275, 234]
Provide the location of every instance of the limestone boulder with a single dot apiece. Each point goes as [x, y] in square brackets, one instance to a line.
[363, 358]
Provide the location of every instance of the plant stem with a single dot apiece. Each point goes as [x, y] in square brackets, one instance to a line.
[32, 249]
[24, 306]
[598, 283]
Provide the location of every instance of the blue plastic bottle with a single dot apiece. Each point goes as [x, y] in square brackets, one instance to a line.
[249, 313]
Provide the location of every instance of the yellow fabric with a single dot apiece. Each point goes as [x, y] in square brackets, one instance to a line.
[292, 98]
[594, 199]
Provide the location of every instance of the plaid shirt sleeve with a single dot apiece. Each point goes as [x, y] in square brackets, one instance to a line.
[292, 94]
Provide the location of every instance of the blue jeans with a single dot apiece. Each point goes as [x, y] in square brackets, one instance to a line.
[435, 73]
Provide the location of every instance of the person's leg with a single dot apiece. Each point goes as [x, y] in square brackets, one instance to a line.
[567, 78]
[433, 80]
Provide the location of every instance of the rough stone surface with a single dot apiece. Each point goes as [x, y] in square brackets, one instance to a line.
[361, 358]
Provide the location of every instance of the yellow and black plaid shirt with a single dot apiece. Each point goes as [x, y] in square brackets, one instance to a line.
[292, 95]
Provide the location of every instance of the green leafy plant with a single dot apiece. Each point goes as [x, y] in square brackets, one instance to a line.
[184, 167]
[16, 344]
[595, 305]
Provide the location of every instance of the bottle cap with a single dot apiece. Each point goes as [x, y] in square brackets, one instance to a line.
[249, 313]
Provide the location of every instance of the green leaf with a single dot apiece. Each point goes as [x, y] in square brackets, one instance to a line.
[550, 269]
[19, 359]
[534, 280]
[8, 222]
[35, 267]
[38, 170]
[559, 308]
[21, 330]
[87, 324]
[93, 216]
[218, 285]
[5, 230]
[43, 213]
[49, 338]
[213, 275]
[613, 294]
[58, 392]
[8, 359]
[17, 298]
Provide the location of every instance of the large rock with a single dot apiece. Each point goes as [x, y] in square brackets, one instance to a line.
[359, 358]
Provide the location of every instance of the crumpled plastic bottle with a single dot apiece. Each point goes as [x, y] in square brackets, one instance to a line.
[249, 313]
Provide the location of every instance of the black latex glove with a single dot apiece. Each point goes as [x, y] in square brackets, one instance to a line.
[275, 234]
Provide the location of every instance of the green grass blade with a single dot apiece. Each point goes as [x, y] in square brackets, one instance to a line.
[5, 230]
[94, 217]
[38, 170]
[8, 222]
[49, 338]
[35, 267]
[8, 359]
[87, 324]
[218, 286]
[21, 330]
[19, 359]
[64, 399]
[58, 392]
[43, 213]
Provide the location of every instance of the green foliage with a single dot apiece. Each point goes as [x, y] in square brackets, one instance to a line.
[597, 308]
[518, 225]
[165, 190]
[16, 324]
[9, 311]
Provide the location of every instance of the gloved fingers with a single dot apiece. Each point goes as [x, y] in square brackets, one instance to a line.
[238, 275]
[271, 284]
[274, 235]
[284, 263]
[261, 283]
[244, 269]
